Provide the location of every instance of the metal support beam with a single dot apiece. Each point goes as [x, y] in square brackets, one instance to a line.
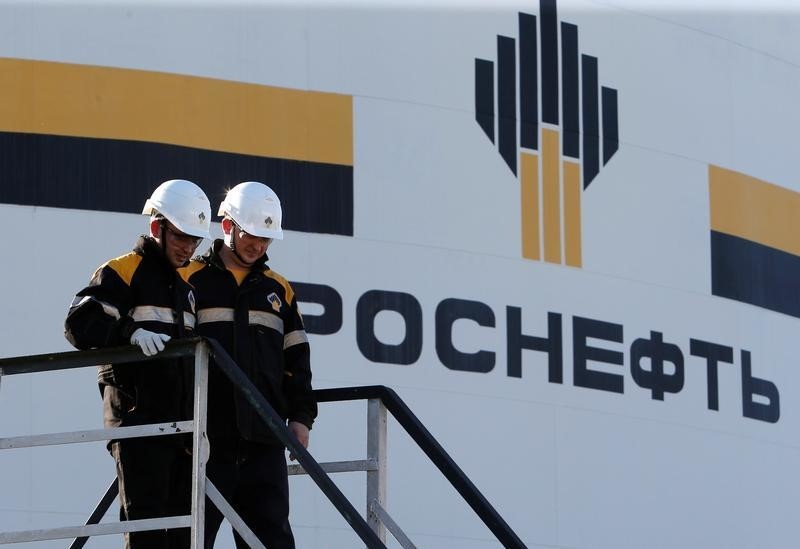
[338, 467]
[98, 513]
[393, 527]
[95, 529]
[233, 517]
[376, 451]
[95, 435]
[200, 449]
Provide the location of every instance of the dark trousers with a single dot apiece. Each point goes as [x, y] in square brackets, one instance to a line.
[155, 480]
[253, 479]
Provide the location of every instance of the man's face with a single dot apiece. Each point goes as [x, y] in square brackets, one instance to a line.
[178, 246]
[249, 247]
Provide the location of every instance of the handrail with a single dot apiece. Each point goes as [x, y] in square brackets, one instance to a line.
[425, 440]
[246, 387]
[80, 359]
[68, 360]
[186, 347]
[393, 403]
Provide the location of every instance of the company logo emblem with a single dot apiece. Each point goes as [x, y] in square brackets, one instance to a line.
[275, 301]
[555, 153]
[191, 300]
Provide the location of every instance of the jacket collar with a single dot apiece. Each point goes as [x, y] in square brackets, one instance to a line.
[213, 257]
[147, 247]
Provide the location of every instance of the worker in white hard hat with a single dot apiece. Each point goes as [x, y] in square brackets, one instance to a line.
[252, 311]
[140, 298]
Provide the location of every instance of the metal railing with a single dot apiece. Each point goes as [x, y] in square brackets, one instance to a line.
[389, 400]
[380, 399]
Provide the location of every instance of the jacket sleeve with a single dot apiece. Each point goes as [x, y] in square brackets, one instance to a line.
[98, 314]
[297, 376]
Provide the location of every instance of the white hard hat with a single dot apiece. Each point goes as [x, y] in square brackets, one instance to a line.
[184, 204]
[255, 208]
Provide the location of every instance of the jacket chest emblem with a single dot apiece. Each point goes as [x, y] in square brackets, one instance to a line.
[191, 301]
[275, 301]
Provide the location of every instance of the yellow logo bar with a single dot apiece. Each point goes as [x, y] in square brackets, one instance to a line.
[754, 210]
[43, 97]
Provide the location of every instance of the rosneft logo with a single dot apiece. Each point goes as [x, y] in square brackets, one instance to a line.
[555, 153]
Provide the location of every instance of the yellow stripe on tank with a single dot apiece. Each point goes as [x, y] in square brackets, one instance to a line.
[754, 210]
[43, 97]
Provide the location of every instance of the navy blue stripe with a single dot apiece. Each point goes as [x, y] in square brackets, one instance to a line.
[528, 82]
[547, 12]
[507, 100]
[117, 176]
[754, 273]
[591, 119]
[484, 96]
[610, 123]
[571, 99]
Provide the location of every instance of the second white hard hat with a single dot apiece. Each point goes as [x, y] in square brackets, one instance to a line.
[255, 208]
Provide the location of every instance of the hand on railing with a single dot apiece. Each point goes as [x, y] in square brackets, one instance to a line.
[150, 342]
[301, 433]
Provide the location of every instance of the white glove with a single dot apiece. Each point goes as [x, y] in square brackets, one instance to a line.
[150, 342]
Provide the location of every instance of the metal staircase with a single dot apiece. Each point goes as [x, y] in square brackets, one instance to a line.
[372, 530]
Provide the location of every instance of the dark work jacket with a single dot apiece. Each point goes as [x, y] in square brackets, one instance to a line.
[260, 326]
[137, 290]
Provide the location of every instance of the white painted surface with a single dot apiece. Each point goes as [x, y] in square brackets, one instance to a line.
[437, 216]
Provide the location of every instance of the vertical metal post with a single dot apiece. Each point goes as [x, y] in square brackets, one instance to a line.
[200, 449]
[376, 452]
